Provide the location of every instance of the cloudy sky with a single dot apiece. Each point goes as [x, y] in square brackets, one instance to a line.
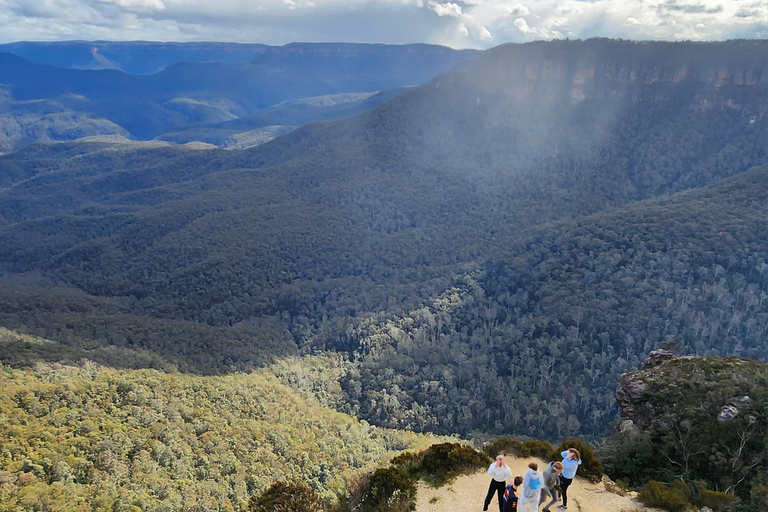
[457, 23]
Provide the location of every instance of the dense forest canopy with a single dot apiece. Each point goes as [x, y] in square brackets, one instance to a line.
[87, 435]
[530, 224]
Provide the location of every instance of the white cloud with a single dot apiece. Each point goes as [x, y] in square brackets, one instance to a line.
[517, 10]
[299, 4]
[446, 9]
[156, 5]
[459, 23]
[523, 27]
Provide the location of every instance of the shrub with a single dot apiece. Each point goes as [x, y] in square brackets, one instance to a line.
[505, 445]
[717, 501]
[531, 448]
[659, 495]
[405, 459]
[389, 490]
[591, 468]
[442, 462]
[284, 497]
[759, 496]
[540, 449]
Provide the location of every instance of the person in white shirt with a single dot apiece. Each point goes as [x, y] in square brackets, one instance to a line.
[499, 473]
[533, 481]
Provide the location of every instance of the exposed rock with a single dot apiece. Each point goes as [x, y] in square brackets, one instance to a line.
[739, 401]
[626, 426]
[631, 398]
[611, 486]
[727, 413]
[657, 357]
[731, 408]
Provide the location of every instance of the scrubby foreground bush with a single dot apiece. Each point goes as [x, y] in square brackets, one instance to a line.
[385, 490]
[441, 463]
[284, 497]
[680, 496]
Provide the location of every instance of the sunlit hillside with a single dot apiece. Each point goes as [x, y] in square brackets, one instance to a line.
[88, 435]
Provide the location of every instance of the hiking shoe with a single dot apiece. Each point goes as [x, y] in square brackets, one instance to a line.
[560, 507]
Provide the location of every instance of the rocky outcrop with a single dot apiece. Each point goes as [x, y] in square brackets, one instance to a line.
[668, 387]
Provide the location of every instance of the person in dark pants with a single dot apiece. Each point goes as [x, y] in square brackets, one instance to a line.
[510, 495]
[571, 462]
[499, 473]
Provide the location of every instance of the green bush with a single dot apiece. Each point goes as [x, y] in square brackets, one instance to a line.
[531, 448]
[504, 445]
[659, 495]
[407, 460]
[540, 449]
[284, 497]
[591, 468]
[759, 495]
[442, 462]
[717, 501]
[389, 490]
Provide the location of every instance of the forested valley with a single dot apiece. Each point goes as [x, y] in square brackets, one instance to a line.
[482, 255]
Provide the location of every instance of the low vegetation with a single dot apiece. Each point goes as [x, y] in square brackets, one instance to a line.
[441, 463]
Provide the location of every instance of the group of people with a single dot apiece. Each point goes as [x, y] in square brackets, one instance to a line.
[526, 493]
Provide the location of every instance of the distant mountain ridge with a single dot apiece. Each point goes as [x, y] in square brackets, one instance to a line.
[134, 57]
[187, 94]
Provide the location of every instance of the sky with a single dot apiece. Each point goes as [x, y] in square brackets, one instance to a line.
[460, 23]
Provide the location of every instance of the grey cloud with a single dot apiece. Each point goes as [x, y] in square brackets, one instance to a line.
[744, 12]
[673, 5]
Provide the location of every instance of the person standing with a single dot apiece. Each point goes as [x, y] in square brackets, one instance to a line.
[533, 481]
[551, 483]
[571, 462]
[499, 473]
[510, 495]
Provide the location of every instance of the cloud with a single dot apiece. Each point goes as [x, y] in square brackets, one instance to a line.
[523, 27]
[458, 23]
[446, 9]
[132, 5]
[299, 4]
[698, 8]
[517, 10]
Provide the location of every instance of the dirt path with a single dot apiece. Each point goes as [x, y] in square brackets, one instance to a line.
[466, 494]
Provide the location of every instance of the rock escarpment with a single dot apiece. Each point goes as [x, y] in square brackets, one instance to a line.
[695, 419]
[668, 386]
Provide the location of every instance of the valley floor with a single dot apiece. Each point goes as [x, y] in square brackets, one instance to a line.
[466, 494]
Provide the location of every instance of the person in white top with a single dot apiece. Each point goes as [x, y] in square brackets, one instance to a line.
[499, 473]
[533, 481]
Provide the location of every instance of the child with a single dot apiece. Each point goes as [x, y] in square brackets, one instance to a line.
[510, 495]
[551, 483]
[533, 481]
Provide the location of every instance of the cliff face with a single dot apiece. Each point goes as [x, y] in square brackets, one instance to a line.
[732, 75]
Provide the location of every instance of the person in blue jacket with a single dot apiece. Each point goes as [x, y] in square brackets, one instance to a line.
[571, 462]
